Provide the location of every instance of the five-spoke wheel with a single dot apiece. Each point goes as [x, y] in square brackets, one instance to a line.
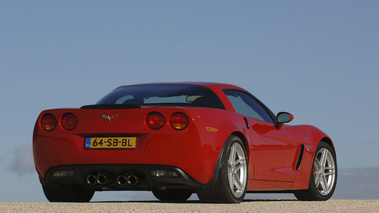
[237, 170]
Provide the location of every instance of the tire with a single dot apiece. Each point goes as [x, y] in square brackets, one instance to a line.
[231, 183]
[67, 193]
[323, 178]
[175, 195]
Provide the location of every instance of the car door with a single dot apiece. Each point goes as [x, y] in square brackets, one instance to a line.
[272, 150]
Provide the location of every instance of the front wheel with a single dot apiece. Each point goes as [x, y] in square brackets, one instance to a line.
[231, 184]
[323, 178]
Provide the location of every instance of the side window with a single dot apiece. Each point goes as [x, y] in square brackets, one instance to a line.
[247, 105]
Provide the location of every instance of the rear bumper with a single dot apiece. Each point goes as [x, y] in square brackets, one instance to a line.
[186, 153]
[103, 177]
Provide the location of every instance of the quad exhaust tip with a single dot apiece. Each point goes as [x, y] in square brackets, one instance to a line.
[131, 180]
[101, 179]
[123, 180]
[91, 179]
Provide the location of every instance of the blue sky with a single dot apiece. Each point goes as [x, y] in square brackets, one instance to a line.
[316, 59]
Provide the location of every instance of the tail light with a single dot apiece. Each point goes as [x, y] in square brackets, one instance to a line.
[69, 121]
[179, 121]
[48, 122]
[155, 121]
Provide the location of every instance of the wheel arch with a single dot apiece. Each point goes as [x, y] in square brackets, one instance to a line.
[328, 141]
[243, 138]
[216, 192]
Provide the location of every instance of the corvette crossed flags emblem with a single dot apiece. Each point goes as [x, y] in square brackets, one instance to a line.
[109, 117]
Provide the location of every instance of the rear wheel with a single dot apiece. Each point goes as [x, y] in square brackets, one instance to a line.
[231, 184]
[322, 181]
[175, 195]
[67, 193]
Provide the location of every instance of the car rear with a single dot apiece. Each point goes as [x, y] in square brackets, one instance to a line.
[103, 146]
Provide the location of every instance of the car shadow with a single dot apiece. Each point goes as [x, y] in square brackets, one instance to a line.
[196, 201]
[270, 200]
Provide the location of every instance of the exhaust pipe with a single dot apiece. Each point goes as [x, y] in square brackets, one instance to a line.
[91, 179]
[101, 179]
[121, 180]
[133, 180]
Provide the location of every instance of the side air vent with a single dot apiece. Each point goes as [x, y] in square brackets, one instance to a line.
[247, 123]
[300, 157]
[111, 106]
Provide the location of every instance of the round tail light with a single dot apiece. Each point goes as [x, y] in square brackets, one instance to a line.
[179, 121]
[155, 120]
[69, 121]
[48, 122]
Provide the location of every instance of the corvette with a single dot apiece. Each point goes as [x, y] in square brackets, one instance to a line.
[176, 139]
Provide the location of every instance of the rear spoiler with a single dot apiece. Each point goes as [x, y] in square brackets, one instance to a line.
[111, 106]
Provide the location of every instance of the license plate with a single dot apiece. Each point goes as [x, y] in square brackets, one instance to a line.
[111, 143]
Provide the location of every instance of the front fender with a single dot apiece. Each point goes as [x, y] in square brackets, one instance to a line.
[310, 136]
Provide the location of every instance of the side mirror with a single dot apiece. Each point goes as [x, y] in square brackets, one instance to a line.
[283, 117]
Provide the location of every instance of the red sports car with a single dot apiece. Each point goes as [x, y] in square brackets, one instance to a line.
[175, 139]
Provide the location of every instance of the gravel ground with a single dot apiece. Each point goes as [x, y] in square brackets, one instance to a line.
[246, 206]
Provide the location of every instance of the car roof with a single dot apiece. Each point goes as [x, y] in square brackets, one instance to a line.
[217, 88]
[211, 85]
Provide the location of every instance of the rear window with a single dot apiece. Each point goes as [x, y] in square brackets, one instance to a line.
[163, 94]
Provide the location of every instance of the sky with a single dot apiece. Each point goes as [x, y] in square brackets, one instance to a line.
[315, 59]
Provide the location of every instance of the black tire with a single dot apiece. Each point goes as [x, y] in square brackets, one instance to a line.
[172, 196]
[225, 190]
[327, 173]
[67, 193]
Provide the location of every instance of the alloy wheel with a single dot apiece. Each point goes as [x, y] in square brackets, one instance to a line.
[237, 169]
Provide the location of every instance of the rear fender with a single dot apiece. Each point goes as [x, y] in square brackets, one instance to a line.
[214, 128]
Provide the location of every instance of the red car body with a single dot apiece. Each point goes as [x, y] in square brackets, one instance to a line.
[279, 156]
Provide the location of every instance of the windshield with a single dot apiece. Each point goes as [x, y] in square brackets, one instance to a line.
[164, 94]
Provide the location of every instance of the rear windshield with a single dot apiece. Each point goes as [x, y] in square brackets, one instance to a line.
[169, 94]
